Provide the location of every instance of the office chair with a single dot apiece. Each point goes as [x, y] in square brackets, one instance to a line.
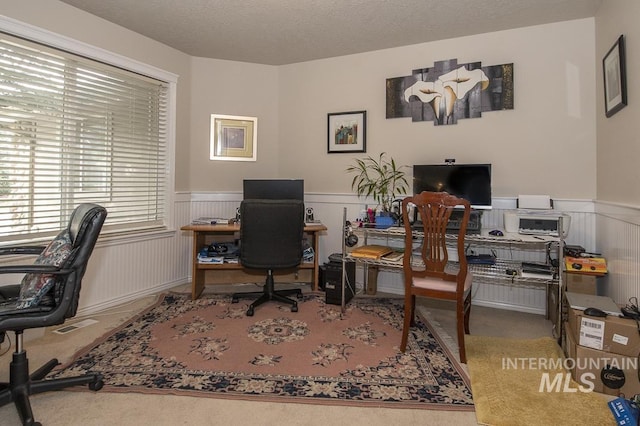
[48, 295]
[271, 234]
[425, 261]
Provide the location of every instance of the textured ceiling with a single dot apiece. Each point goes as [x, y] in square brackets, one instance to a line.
[280, 32]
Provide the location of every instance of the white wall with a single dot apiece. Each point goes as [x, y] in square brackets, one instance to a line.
[545, 145]
[618, 149]
[232, 88]
[549, 136]
[618, 155]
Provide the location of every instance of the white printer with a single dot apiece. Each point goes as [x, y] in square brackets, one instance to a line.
[535, 216]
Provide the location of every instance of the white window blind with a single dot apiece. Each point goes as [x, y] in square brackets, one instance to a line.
[75, 130]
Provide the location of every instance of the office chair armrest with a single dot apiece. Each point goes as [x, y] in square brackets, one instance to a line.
[33, 250]
[33, 269]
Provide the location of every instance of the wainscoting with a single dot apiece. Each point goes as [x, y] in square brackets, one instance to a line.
[127, 268]
[618, 237]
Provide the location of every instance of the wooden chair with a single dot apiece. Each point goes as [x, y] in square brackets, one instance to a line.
[425, 261]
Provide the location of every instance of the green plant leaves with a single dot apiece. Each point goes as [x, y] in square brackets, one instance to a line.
[379, 178]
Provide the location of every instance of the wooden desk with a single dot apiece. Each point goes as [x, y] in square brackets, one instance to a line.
[228, 273]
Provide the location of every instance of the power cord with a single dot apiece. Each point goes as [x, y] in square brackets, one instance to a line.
[7, 339]
[630, 310]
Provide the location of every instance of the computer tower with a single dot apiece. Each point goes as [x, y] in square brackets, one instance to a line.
[331, 282]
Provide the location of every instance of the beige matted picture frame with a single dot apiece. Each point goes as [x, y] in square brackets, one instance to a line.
[233, 138]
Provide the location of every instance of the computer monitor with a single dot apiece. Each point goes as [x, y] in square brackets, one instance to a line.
[469, 181]
[273, 189]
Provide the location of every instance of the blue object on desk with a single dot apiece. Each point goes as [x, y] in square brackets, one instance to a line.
[481, 259]
[384, 222]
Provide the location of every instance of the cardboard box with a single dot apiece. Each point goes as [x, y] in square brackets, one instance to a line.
[611, 334]
[580, 283]
[588, 365]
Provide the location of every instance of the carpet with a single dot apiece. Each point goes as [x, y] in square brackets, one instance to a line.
[505, 380]
[210, 348]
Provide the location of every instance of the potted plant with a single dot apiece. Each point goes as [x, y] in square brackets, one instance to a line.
[380, 178]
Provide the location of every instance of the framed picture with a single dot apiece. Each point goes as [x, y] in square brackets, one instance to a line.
[233, 138]
[615, 78]
[347, 132]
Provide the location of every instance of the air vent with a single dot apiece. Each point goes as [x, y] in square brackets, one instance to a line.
[72, 327]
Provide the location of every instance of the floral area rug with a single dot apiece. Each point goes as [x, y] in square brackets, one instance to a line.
[210, 348]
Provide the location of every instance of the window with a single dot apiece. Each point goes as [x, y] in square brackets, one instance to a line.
[76, 130]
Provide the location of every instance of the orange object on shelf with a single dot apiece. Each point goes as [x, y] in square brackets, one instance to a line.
[586, 265]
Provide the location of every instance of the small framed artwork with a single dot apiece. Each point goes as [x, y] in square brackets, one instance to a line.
[347, 132]
[233, 138]
[615, 78]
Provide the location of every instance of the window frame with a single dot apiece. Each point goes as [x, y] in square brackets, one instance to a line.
[56, 41]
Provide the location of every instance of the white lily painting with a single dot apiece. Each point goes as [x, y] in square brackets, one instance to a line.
[448, 92]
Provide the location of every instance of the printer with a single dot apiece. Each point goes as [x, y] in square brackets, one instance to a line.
[535, 216]
[537, 223]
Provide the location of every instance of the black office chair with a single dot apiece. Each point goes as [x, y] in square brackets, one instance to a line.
[48, 295]
[271, 234]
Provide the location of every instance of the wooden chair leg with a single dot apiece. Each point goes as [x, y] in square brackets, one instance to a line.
[408, 318]
[413, 310]
[467, 314]
[460, 325]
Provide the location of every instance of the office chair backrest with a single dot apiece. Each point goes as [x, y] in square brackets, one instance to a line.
[434, 210]
[271, 233]
[84, 227]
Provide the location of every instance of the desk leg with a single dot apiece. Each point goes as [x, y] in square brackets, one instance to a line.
[372, 279]
[316, 269]
[197, 275]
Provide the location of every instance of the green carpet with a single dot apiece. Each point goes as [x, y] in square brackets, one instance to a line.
[505, 395]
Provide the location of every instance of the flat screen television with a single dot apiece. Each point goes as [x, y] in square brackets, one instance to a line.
[273, 189]
[469, 181]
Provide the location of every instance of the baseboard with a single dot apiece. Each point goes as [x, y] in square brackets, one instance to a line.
[92, 309]
[509, 307]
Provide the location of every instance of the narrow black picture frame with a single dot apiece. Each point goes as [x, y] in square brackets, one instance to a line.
[615, 78]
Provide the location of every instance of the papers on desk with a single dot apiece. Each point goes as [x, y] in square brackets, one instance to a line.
[394, 256]
[215, 260]
[372, 251]
[210, 221]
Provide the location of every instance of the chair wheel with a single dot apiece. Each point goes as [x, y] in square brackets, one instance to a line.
[299, 296]
[97, 385]
[294, 308]
[250, 311]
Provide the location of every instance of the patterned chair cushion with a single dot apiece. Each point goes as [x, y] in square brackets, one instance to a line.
[35, 286]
